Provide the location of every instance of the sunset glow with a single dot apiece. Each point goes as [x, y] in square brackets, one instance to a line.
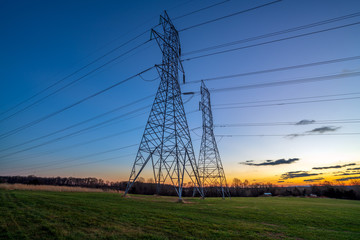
[284, 84]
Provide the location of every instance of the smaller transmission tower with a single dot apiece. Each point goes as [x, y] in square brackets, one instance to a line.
[211, 171]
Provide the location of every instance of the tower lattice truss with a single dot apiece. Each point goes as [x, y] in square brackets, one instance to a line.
[166, 141]
[211, 171]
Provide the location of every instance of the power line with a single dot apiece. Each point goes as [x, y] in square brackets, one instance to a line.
[74, 133]
[75, 72]
[281, 135]
[79, 123]
[277, 69]
[106, 137]
[259, 124]
[267, 124]
[230, 15]
[276, 33]
[98, 139]
[96, 60]
[287, 82]
[180, 5]
[288, 99]
[274, 124]
[272, 41]
[199, 10]
[289, 103]
[96, 126]
[74, 81]
[7, 134]
[92, 162]
[91, 155]
[56, 162]
[81, 144]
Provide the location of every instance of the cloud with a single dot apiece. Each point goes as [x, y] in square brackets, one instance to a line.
[294, 135]
[298, 174]
[323, 129]
[319, 130]
[335, 166]
[313, 179]
[345, 174]
[305, 122]
[355, 168]
[280, 181]
[348, 178]
[271, 162]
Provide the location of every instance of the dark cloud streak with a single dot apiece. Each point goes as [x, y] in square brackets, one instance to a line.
[305, 122]
[314, 179]
[319, 130]
[335, 166]
[324, 129]
[346, 174]
[298, 174]
[356, 168]
[271, 162]
[348, 178]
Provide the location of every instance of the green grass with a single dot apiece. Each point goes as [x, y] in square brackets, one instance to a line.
[77, 215]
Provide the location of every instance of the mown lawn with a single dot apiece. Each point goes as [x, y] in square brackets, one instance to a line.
[78, 215]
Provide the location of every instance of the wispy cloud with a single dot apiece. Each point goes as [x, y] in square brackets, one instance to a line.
[348, 178]
[335, 166]
[271, 162]
[324, 129]
[313, 179]
[294, 135]
[319, 130]
[305, 122]
[356, 168]
[298, 174]
[280, 181]
[346, 174]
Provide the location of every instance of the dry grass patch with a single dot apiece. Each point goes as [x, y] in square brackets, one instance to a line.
[51, 188]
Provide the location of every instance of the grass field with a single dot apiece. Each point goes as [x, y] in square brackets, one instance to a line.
[18, 186]
[86, 215]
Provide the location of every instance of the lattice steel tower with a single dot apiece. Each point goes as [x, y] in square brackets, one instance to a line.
[166, 140]
[210, 166]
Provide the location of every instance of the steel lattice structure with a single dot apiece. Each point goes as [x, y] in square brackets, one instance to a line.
[210, 166]
[166, 140]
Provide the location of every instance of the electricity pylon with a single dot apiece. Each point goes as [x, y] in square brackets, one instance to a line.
[211, 171]
[166, 140]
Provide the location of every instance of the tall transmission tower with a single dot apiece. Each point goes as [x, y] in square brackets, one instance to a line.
[166, 140]
[210, 166]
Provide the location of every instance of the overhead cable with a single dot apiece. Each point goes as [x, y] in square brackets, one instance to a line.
[230, 15]
[74, 81]
[286, 99]
[14, 131]
[288, 82]
[199, 10]
[78, 124]
[357, 14]
[74, 133]
[337, 60]
[272, 41]
[289, 103]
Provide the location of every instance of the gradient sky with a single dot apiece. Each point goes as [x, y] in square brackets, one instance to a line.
[44, 41]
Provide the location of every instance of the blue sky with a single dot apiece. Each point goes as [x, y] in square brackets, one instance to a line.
[44, 41]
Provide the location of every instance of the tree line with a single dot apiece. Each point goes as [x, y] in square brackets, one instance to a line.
[238, 188]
